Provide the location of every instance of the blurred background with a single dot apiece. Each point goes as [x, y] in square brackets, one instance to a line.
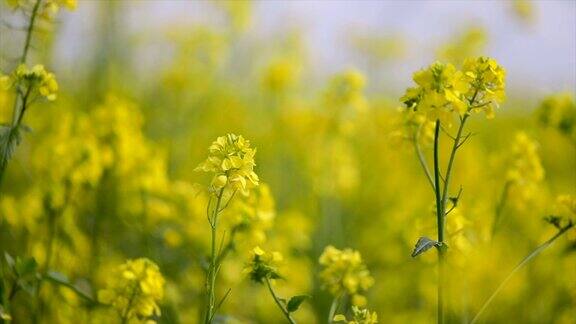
[537, 45]
[146, 86]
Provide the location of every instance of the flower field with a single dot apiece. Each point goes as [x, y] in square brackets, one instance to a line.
[206, 172]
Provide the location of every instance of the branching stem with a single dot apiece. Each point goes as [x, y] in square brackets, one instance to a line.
[279, 303]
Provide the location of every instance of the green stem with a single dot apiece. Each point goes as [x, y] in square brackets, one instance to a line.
[455, 146]
[333, 309]
[279, 303]
[18, 115]
[211, 300]
[29, 32]
[421, 158]
[524, 261]
[124, 316]
[440, 224]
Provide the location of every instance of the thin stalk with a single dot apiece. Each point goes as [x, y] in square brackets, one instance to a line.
[124, 316]
[455, 146]
[440, 224]
[333, 309]
[213, 260]
[524, 261]
[29, 32]
[421, 158]
[279, 303]
[18, 115]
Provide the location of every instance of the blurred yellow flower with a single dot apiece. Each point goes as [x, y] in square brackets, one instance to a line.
[525, 172]
[359, 316]
[34, 80]
[344, 272]
[263, 265]
[559, 111]
[134, 290]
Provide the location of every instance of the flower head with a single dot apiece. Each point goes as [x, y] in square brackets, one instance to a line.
[281, 75]
[135, 289]
[442, 89]
[525, 172]
[359, 316]
[346, 89]
[487, 83]
[344, 272]
[34, 80]
[47, 9]
[559, 111]
[231, 159]
[263, 265]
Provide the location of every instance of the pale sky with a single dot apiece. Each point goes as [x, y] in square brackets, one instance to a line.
[540, 58]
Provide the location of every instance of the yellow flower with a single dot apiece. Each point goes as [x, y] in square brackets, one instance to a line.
[359, 316]
[231, 159]
[467, 43]
[35, 80]
[135, 289]
[441, 90]
[525, 172]
[47, 9]
[567, 205]
[347, 89]
[487, 83]
[281, 75]
[559, 111]
[344, 272]
[263, 265]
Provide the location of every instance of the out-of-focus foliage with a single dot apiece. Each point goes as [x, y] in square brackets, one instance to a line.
[106, 175]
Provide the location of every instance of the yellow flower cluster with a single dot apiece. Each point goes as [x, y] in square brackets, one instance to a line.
[251, 217]
[487, 83]
[32, 80]
[281, 75]
[359, 316]
[559, 111]
[567, 204]
[344, 272]
[47, 8]
[442, 89]
[231, 159]
[263, 265]
[467, 43]
[526, 171]
[347, 89]
[135, 290]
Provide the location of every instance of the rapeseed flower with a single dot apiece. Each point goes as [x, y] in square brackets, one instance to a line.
[32, 80]
[263, 265]
[134, 290]
[359, 316]
[344, 272]
[231, 159]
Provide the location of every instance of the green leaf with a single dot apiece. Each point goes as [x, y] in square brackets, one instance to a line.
[9, 260]
[58, 277]
[10, 137]
[4, 314]
[423, 245]
[26, 267]
[295, 302]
